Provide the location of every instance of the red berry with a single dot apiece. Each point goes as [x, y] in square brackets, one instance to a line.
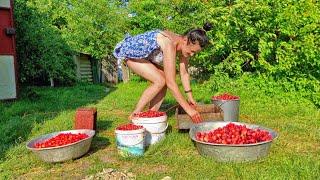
[61, 139]
[128, 127]
[149, 114]
[234, 134]
[225, 96]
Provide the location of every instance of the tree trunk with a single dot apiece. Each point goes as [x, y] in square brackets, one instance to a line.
[51, 82]
[125, 73]
[110, 69]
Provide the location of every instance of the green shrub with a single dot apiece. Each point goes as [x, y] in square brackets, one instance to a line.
[49, 32]
[273, 39]
[42, 52]
[277, 40]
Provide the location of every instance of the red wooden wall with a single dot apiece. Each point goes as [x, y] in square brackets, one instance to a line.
[7, 52]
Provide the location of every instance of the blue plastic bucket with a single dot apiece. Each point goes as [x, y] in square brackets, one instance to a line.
[130, 143]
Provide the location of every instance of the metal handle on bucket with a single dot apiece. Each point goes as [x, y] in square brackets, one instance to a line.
[221, 104]
[230, 109]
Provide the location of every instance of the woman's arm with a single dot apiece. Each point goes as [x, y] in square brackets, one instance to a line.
[185, 78]
[169, 62]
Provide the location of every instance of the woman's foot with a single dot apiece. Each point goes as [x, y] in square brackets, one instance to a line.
[131, 117]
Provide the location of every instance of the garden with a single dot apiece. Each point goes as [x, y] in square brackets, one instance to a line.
[264, 52]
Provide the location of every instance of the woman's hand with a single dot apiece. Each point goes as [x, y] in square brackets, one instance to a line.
[195, 116]
[192, 103]
[194, 106]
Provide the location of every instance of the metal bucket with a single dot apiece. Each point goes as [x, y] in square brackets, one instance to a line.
[230, 109]
[231, 152]
[65, 152]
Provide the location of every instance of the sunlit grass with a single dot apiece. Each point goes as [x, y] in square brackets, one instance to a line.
[294, 155]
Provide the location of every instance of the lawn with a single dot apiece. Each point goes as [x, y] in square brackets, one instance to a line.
[294, 155]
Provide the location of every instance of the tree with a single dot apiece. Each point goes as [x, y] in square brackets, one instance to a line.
[42, 52]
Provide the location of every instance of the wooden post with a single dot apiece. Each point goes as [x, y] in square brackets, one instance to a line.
[125, 73]
[109, 68]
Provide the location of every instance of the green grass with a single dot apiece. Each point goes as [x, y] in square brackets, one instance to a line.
[294, 155]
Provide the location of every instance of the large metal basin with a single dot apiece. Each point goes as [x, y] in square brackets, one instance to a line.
[228, 152]
[62, 153]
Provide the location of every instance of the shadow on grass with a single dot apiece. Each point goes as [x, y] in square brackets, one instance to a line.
[169, 129]
[103, 125]
[38, 105]
[169, 107]
[183, 130]
[98, 143]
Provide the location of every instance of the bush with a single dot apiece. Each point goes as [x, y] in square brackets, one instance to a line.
[42, 53]
[49, 32]
[278, 40]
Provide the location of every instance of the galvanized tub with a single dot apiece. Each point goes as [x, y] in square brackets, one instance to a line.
[62, 153]
[229, 152]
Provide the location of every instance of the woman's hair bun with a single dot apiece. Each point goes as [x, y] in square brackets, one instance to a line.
[207, 26]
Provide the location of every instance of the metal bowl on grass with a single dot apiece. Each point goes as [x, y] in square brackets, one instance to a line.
[65, 152]
[231, 152]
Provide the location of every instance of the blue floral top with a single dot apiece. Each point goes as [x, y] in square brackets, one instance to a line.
[141, 46]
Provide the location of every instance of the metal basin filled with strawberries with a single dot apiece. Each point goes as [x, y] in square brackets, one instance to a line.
[232, 142]
[62, 146]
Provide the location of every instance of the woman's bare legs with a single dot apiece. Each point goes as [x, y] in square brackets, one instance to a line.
[148, 71]
[156, 102]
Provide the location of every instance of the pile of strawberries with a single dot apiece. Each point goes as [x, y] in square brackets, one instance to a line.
[61, 139]
[129, 127]
[234, 134]
[149, 114]
[225, 96]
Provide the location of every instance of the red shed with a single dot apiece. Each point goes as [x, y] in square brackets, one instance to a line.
[8, 63]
